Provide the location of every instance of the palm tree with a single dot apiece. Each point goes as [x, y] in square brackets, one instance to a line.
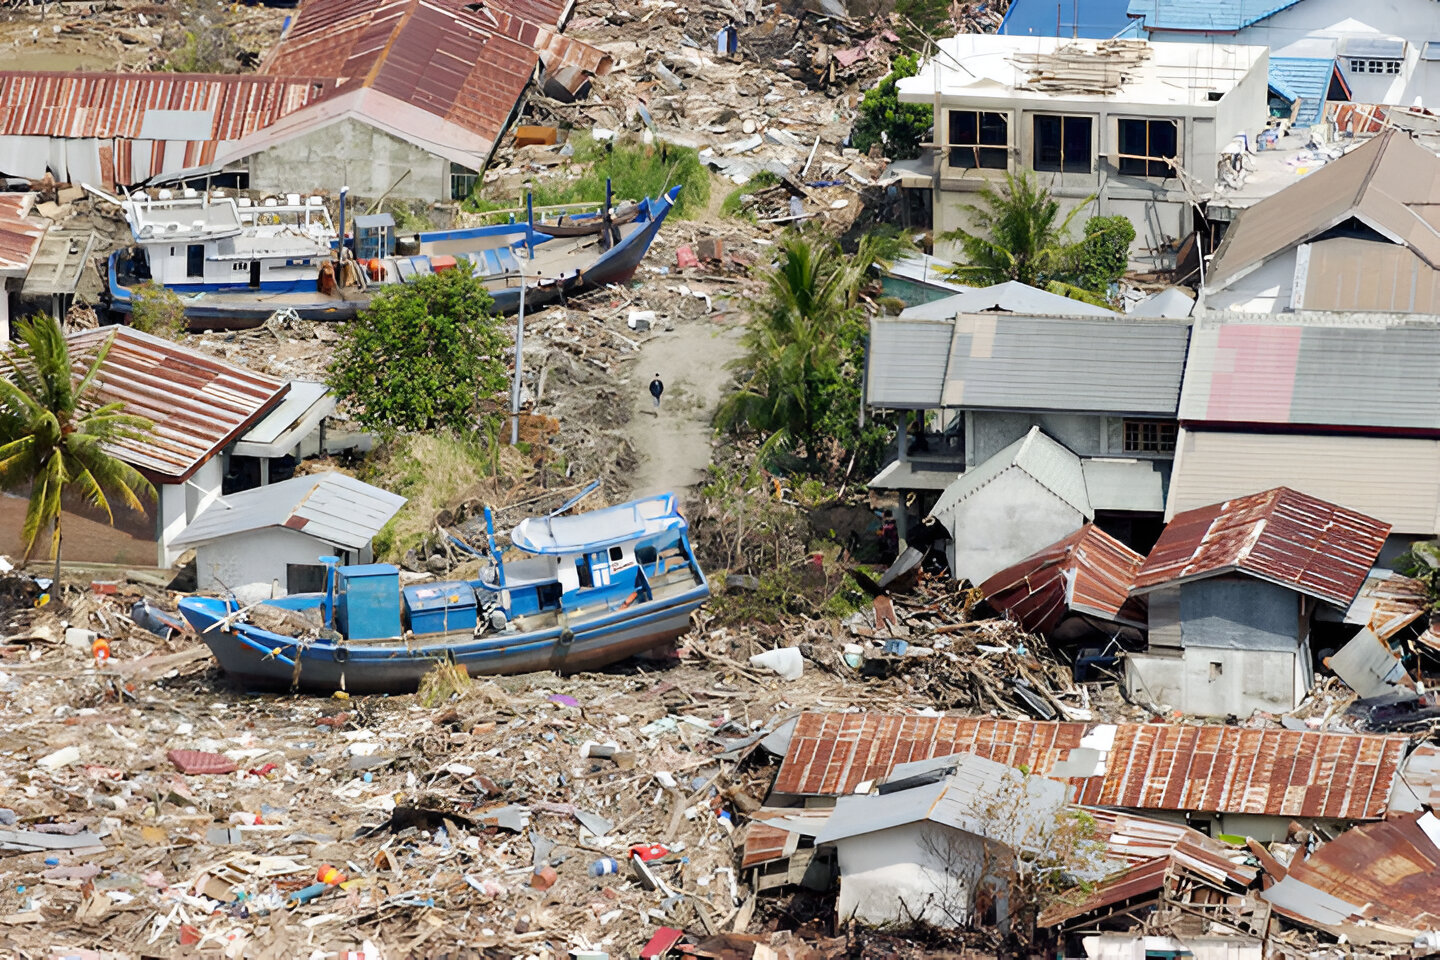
[796, 340]
[1019, 235]
[53, 434]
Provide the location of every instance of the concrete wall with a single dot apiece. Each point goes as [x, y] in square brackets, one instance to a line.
[1212, 682]
[987, 432]
[1267, 289]
[86, 534]
[1005, 521]
[1159, 208]
[922, 870]
[354, 154]
[259, 556]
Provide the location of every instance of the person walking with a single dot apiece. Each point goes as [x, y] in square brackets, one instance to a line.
[656, 388]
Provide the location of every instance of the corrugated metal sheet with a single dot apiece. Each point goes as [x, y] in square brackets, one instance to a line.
[1043, 458]
[1388, 603]
[1224, 15]
[20, 234]
[123, 128]
[1347, 273]
[1119, 483]
[906, 363]
[1393, 479]
[197, 403]
[1298, 541]
[1142, 766]
[1306, 79]
[1340, 374]
[1022, 362]
[1390, 181]
[332, 507]
[1384, 872]
[1088, 572]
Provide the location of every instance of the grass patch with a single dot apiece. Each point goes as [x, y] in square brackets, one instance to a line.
[635, 170]
[731, 205]
[431, 471]
[443, 683]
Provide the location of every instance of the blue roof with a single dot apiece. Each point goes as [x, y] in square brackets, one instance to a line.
[1306, 79]
[1221, 15]
[1088, 19]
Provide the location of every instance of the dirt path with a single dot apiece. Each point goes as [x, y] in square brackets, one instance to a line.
[674, 447]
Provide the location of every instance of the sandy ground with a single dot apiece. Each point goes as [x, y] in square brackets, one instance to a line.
[674, 446]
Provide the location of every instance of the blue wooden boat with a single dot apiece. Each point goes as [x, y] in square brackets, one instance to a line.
[578, 592]
[235, 263]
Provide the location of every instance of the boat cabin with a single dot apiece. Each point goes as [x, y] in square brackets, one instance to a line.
[194, 242]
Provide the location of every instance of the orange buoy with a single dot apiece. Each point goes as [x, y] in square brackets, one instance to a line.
[329, 875]
[100, 649]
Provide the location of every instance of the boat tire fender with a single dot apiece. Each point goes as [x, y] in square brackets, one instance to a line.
[342, 653]
[567, 636]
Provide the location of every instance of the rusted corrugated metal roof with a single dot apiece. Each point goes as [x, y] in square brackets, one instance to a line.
[1088, 572]
[104, 106]
[1385, 871]
[197, 403]
[1283, 536]
[464, 62]
[1137, 766]
[20, 235]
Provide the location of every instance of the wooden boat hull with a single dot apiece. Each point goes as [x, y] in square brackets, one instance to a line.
[241, 309]
[259, 660]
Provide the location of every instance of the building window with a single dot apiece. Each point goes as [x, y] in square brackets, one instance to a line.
[1375, 66]
[1062, 144]
[1149, 436]
[1148, 146]
[979, 138]
[462, 181]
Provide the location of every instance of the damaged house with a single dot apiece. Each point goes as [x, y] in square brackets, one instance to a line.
[217, 427]
[1046, 423]
[1233, 590]
[1128, 123]
[1345, 408]
[405, 98]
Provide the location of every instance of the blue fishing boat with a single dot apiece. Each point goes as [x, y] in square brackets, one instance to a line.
[583, 591]
[235, 262]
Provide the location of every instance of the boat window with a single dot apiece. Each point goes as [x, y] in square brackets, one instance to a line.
[646, 555]
[254, 273]
[583, 569]
[616, 554]
[195, 260]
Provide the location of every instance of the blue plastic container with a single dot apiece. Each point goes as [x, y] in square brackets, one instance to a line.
[367, 601]
[604, 867]
[441, 607]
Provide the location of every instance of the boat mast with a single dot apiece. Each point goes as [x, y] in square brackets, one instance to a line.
[520, 329]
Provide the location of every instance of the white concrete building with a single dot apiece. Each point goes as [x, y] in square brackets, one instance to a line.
[1138, 126]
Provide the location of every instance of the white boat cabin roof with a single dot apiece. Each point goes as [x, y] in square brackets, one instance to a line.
[195, 216]
[597, 529]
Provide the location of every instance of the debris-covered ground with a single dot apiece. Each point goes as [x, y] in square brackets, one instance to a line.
[149, 808]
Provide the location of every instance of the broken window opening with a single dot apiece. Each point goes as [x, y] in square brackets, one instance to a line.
[1150, 436]
[1148, 147]
[1063, 144]
[462, 182]
[979, 139]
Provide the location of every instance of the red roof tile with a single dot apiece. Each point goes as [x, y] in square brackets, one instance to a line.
[1298, 541]
[197, 403]
[199, 761]
[1087, 572]
[1207, 769]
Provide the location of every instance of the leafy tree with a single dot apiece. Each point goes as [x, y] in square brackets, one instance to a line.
[900, 127]
[422, 355]
[804, 347]
[1104, 254]
[1020, 235]
[1422, 562]
[53, 434]
[155, 309]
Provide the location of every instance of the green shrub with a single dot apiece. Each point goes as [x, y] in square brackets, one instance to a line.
[899, 127]
[154, 309]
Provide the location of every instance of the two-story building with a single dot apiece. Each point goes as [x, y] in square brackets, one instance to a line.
[1135, 129]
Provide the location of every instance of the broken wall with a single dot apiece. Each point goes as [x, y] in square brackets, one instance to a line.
[350, 153]
[988, 432]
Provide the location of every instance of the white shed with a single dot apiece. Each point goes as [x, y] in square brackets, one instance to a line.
[1027, 496]
[276, 534]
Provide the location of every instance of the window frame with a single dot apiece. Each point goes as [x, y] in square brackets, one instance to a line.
[1064, 119]
[1152, 162]
[460, 175]
[1165, 435]
[1376, 66]
[977, 152]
